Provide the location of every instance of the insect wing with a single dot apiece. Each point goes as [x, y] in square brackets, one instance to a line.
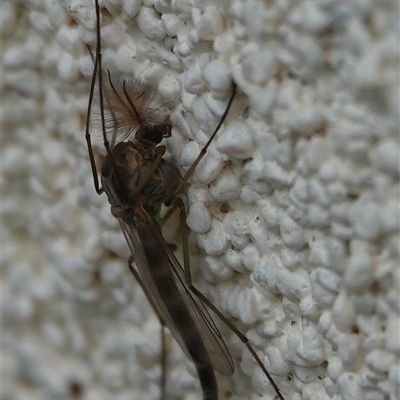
[132, 237]
[148, 247]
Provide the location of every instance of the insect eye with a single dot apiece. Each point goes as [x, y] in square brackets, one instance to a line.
[156, 134]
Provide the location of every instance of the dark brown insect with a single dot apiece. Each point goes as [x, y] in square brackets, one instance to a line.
[137, 181]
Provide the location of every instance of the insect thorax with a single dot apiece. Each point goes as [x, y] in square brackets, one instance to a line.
[128, 183]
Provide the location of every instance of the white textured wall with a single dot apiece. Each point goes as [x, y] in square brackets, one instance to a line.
[305, 248]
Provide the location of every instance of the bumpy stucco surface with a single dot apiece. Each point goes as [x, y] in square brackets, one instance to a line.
[294, 213]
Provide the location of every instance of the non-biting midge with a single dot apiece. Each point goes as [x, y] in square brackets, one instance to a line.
[137, 181]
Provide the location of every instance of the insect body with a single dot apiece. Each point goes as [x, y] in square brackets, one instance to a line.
[135, 192]
[137, 181]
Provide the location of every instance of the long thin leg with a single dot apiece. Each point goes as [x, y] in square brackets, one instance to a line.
[199, 295]
[182, 183]
[87, 134]
[168, 214]
[98, 75]
[163, 378]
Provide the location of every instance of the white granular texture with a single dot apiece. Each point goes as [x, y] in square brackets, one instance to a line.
[294, 212]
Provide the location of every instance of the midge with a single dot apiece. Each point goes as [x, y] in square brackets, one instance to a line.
[137, 181]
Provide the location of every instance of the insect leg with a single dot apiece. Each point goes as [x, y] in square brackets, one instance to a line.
[203, 299]
[182, 183]
[98, 75]
[87, 134]
[163, 378]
